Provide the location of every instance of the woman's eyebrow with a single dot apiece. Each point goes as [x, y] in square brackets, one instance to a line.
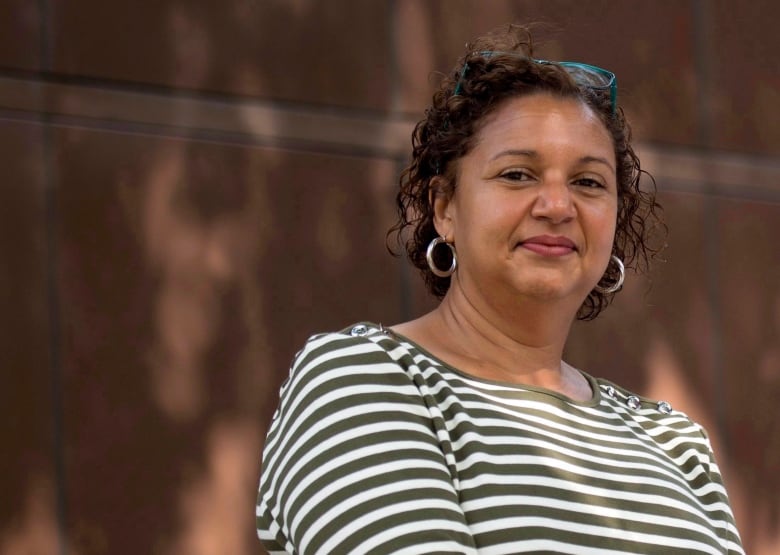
[598, 159]
[535, 154]
[516, 152]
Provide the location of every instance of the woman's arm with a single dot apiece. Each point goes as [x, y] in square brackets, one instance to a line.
[352, 461]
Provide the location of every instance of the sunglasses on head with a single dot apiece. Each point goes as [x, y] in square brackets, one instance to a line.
[585, 75]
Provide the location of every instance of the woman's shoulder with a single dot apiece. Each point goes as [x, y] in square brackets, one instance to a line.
[357, 350]
[352, 342]
[649, 411]
[633, 400]
[346, 366]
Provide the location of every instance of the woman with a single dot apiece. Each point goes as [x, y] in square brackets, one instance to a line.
[464, 431]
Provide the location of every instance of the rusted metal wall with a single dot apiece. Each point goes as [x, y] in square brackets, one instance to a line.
[190, 189]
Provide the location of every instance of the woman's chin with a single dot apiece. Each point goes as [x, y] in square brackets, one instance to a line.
[551, 290]
[540, 288]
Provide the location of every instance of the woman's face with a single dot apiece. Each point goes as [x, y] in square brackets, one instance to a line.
[535, 204]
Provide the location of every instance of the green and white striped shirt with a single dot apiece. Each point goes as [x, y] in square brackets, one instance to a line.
[379, 447]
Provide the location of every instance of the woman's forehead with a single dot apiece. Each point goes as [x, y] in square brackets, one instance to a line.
[537, 121]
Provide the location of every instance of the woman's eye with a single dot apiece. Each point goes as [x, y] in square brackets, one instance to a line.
[589, 183]
[516, 175]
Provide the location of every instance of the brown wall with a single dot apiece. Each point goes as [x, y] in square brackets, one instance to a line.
[190, 189]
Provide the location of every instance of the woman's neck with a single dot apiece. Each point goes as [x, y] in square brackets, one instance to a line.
[522, 343]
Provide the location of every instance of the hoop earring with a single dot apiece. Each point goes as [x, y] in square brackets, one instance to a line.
[432, 265]
[615, 287]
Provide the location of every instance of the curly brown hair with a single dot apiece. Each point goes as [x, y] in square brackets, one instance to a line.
[496, 67]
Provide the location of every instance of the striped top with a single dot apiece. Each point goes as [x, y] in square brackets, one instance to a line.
[379, 447]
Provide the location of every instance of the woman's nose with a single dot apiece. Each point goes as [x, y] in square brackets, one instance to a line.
[554, 201]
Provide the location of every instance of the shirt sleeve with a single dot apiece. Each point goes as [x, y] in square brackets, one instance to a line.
[730, 538]
[352, 463]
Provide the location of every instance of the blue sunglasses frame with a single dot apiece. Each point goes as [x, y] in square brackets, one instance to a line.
[585, 75]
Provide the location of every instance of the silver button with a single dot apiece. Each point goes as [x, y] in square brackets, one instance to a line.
[633, 402]
[664, 407]
[359, 331]
[610, 391]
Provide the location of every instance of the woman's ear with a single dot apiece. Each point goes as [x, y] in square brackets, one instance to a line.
[440, 194]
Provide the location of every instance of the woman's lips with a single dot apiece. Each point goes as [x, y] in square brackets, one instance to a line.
[547, 245]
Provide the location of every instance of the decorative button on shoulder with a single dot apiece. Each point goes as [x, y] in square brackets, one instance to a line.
[359, 331]
[664, 407]
[633, 402]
